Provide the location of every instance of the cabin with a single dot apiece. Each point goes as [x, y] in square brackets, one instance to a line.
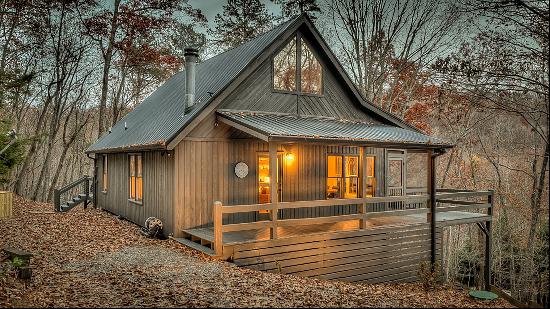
[268, 156]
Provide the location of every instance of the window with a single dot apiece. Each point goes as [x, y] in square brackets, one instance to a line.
[311, 72]
[371, 178]
[136, 178]
[286, 65]
[284, 68]
[342, 176]
[105, 174]
[417, 170]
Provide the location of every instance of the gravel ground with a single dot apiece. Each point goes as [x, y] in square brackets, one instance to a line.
[89, 258]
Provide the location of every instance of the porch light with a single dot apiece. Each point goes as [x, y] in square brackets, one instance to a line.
[289, 157]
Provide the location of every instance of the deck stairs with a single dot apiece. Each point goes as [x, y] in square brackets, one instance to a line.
[73, 194]
[198, 239]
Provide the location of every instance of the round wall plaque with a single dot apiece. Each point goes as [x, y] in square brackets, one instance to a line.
[241, 169]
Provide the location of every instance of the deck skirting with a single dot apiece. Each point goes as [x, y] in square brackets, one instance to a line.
[389, 254]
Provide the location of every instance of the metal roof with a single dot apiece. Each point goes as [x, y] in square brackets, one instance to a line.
[279, 126]
[160, 117]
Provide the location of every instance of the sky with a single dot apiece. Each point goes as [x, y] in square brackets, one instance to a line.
[212, 7]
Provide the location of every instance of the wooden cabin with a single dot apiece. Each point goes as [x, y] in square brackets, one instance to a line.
[268, 156]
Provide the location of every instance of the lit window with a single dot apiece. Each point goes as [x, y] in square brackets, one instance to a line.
[284, 68]
[105, 174]
[311, 71]
[371, 178]
[136, 178]
[342, 185]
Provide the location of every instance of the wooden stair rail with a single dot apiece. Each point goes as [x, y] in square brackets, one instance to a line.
[82, 197]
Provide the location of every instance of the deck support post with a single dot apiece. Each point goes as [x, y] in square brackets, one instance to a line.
[274, 188]
[363, 206]
[432, 203]
[487, 274]
[218, 233]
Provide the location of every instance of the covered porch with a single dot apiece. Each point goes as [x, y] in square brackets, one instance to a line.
[374, 200]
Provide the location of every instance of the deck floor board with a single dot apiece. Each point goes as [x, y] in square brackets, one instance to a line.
[442, 219]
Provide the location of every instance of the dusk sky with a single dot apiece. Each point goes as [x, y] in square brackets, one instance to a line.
[212, 7]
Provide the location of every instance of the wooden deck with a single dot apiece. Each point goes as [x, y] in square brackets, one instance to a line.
[387, 245]
[205, 236]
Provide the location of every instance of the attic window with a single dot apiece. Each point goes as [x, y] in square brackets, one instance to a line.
[311, 71]
[284, 68]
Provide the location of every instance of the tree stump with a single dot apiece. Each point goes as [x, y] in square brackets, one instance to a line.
[6, 204]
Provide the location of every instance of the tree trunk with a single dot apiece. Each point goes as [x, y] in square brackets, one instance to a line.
[107, 56]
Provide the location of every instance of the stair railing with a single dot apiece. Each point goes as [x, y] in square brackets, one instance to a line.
[82, 191]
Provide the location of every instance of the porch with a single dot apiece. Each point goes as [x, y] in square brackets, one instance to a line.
[454, 207]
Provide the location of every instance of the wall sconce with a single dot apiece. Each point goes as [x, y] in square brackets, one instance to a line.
[289, 157]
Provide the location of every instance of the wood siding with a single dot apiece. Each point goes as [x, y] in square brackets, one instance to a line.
[205, 174]
[371, 256]
[158, 188]
[256, 93]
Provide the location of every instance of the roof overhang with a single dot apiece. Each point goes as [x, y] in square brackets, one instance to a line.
[313, 129]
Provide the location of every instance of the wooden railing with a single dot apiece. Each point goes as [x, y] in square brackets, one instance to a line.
[464, 200]
[362, 215]
[72, 194]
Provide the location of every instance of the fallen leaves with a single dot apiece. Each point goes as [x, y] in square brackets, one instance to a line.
[89, 258]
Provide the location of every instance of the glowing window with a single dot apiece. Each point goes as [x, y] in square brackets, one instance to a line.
[136, 177]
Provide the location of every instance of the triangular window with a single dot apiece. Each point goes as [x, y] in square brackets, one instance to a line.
[287, 70]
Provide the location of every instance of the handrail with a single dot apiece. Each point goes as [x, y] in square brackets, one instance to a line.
[220, 210]
[323, 203]
[57, 192]
[443, 196]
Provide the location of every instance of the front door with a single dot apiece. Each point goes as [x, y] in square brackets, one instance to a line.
[264, 183]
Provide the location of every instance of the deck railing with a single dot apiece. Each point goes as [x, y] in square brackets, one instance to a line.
[464, 200]
[420, 202]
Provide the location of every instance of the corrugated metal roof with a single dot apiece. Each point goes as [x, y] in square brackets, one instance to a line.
[288, 126]
[159, 118]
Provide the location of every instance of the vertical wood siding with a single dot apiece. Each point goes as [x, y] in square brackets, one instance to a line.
[158, 186]
[205, 173]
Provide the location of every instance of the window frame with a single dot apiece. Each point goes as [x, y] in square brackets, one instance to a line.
[105, 174]
[373, 177]
[134, 199]
[344, 177]
[298, 76]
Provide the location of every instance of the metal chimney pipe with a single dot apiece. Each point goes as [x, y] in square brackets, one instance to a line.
[191, 57]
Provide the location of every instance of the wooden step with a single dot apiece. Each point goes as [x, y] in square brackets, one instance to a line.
[82, 196]
[195, 246]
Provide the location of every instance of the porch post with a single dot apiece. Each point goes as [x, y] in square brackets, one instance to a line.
[487, 274]
[274, 188]
[363, 206]
[218, 232]
[432, 202]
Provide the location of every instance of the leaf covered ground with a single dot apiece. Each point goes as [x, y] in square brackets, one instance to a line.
[90, 258]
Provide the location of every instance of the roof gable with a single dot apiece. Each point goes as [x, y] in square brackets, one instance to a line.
[158, 122]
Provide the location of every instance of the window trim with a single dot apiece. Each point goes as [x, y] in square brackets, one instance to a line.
[367, 177]
[105, 174]
[130, 199]
[344, 174]
[298, 76]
